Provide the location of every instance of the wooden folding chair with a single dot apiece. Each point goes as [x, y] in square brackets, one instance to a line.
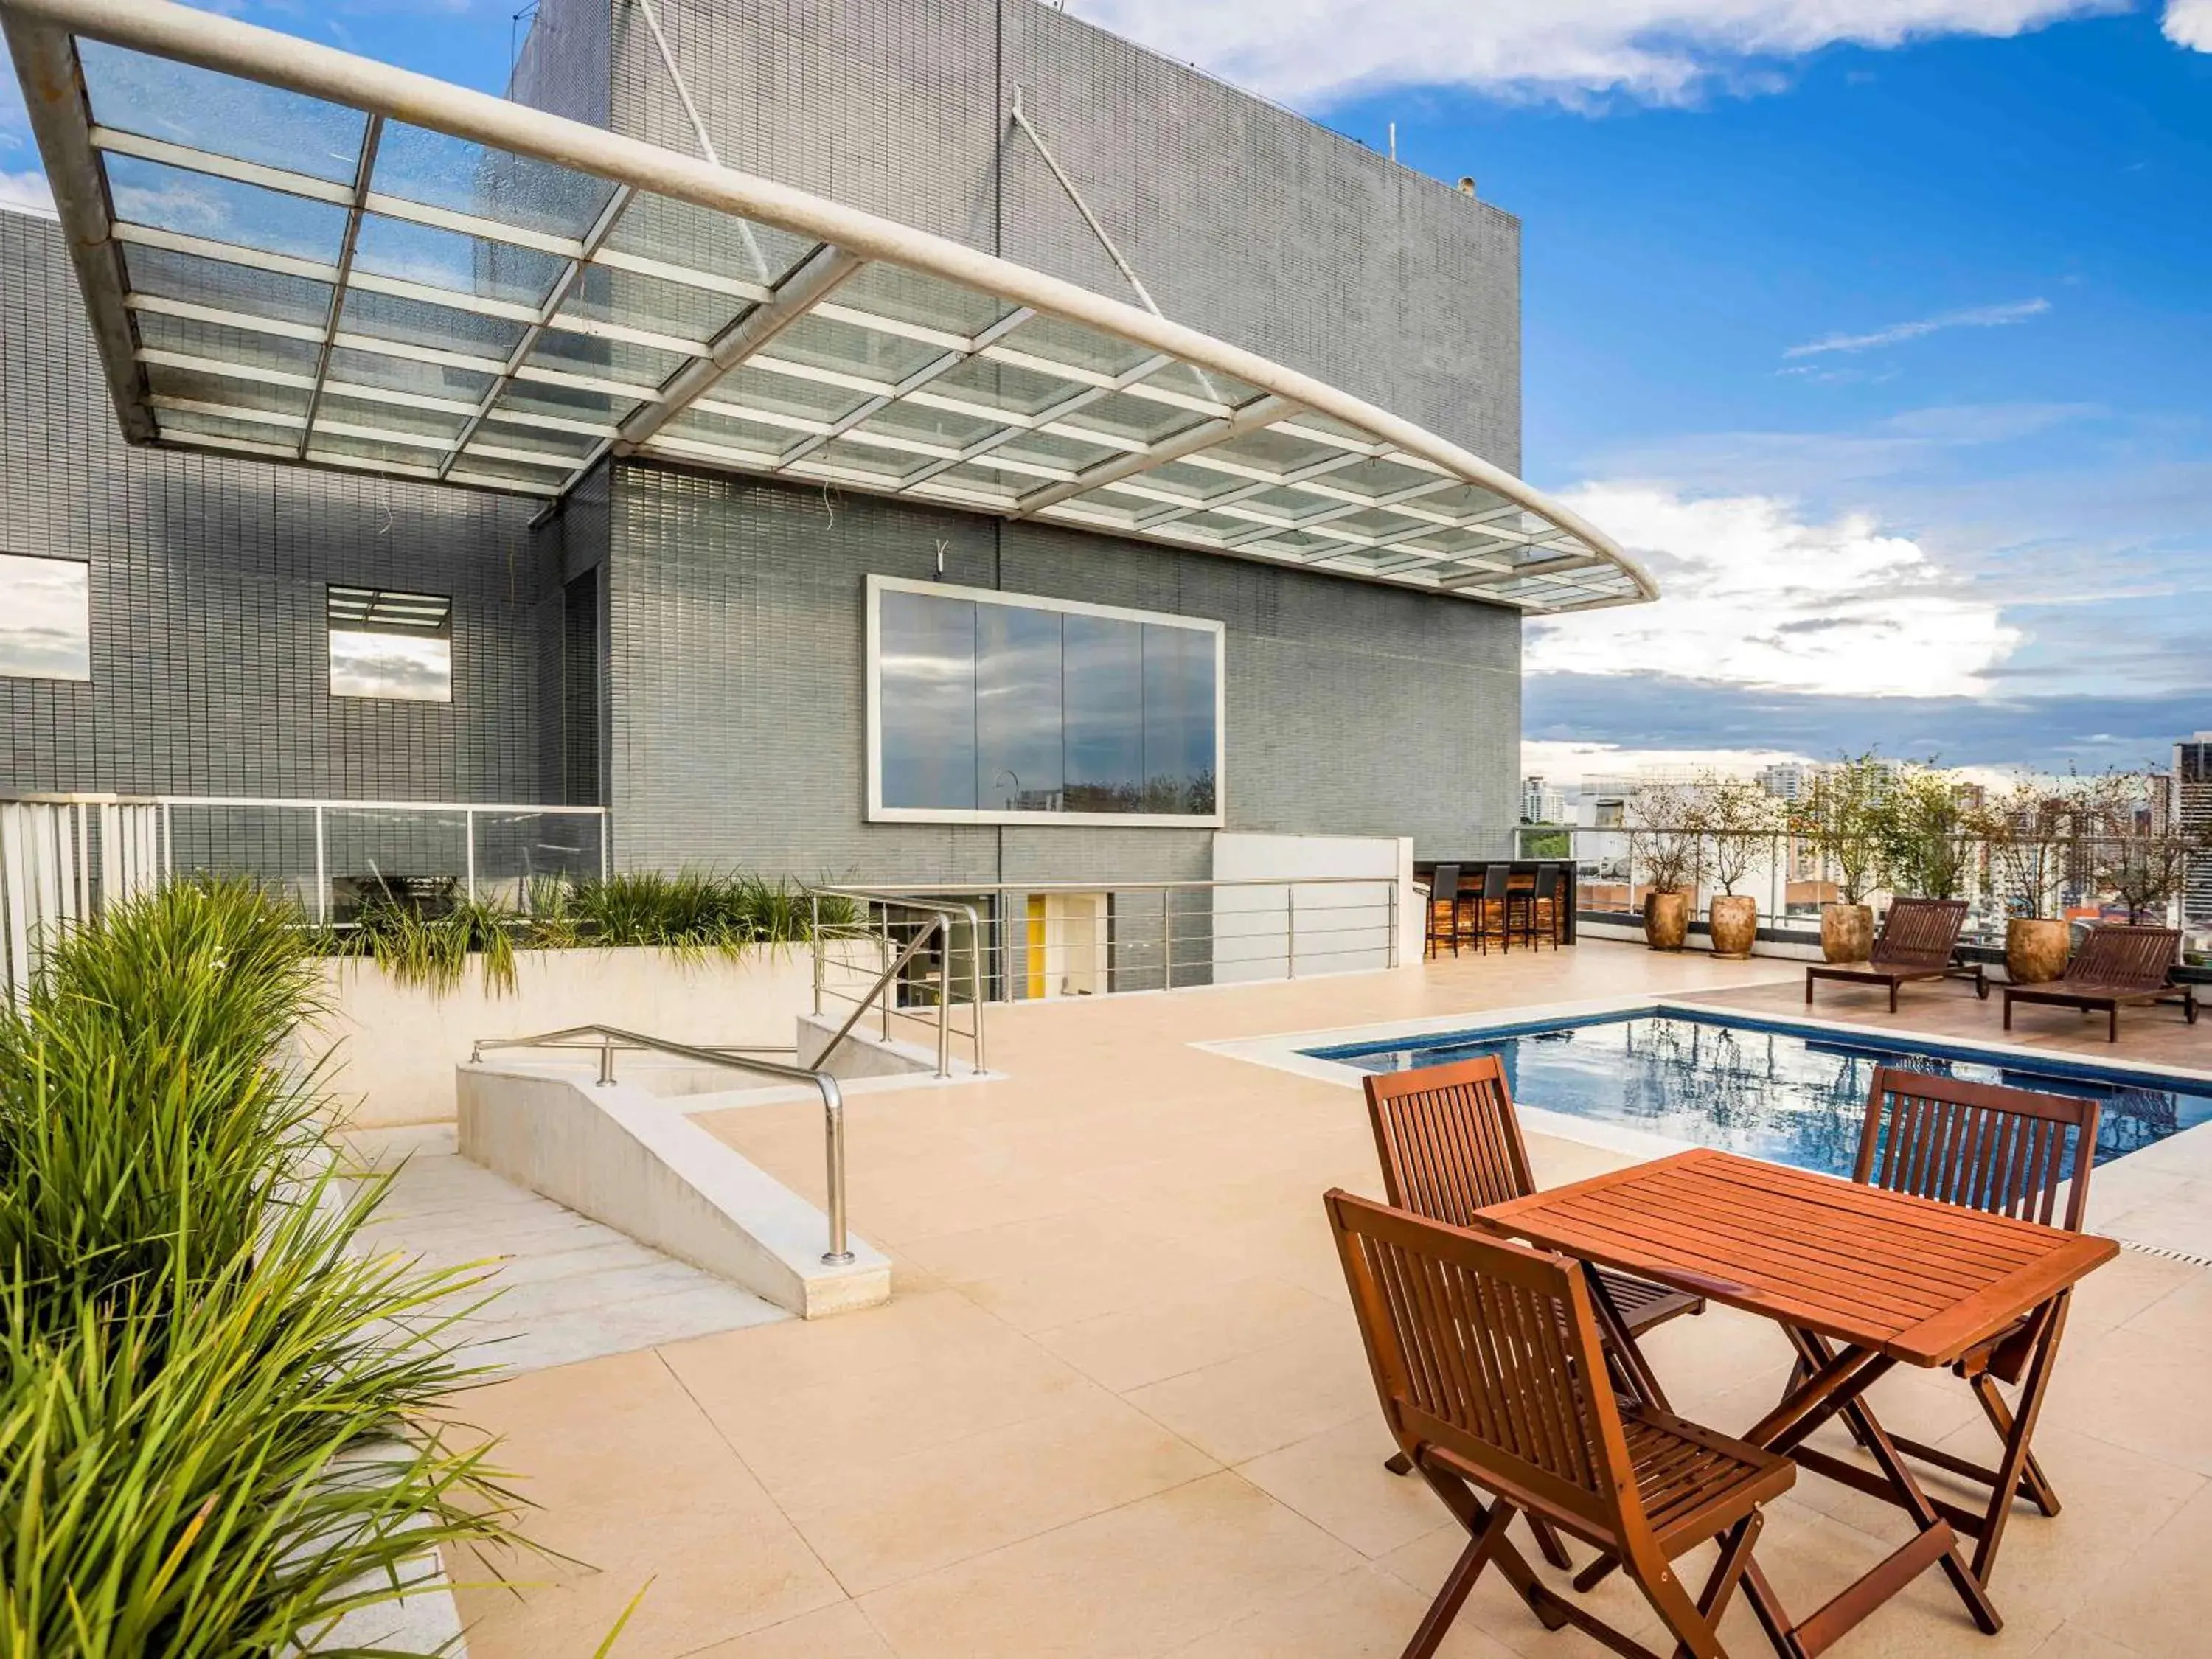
[1487, 1361]
[1450, 1145]
[2007, 1151]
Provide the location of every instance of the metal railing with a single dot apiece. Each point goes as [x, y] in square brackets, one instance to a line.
[1791, 879]
[1022, 941]
[928, 935]
[330, 852]
[610, 1040]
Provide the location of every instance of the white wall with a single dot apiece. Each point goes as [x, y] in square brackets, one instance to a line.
[395, 1047]
[1338, 929]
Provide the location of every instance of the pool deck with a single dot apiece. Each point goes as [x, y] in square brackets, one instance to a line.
[1117, 1406]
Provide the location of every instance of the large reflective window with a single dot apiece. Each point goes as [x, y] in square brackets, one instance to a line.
[45, 618]
[996, 705]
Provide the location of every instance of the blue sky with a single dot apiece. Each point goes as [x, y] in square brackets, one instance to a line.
[1882, 329]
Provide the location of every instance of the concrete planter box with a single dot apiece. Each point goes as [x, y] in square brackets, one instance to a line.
[396, 1046]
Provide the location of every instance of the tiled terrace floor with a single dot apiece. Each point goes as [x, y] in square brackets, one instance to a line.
[1118, 1408]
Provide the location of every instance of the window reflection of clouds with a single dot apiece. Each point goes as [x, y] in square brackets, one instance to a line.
[394, 666]
[1019, 673]
[928, 646]
[1103, 694]
[45, 618]
[1013, 707]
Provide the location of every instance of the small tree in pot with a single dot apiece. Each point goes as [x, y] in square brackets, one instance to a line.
[1739, 820]
[1666, 835]
[2031, 830]
[1842, 815]
[1924, 837]
[2136, 851]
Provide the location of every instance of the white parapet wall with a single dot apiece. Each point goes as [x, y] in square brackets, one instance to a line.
[396, 1046]
[631, 1161]
[1285, 925]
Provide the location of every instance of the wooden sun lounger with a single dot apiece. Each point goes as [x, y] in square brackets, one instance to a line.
[1918, 938]
[2115, 965]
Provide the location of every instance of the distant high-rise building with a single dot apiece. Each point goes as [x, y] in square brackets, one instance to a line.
[2191, 796]
[1787, 781]
[1539, 803]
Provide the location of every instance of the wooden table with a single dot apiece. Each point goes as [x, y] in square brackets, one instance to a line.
[1862, 1280]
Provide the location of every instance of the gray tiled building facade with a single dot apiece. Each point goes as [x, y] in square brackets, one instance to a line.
[686, 648]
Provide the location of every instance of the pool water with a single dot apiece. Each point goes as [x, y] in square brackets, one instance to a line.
[1790, 1095]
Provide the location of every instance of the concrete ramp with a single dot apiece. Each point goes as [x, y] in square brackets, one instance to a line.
[635, 1163]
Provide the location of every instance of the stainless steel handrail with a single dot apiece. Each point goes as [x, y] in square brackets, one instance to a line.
[612, 1038]
[942, 914]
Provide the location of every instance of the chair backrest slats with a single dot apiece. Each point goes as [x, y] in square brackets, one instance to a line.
[1488, 1351]
[1920, 932]
[2006, 1151]
[2118, 954]
[1448, 1137]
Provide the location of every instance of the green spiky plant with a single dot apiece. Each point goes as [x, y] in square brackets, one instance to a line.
[692, 914]
[217, 1425]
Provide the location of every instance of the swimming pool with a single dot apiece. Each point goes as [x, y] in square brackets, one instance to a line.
[1791, 1094]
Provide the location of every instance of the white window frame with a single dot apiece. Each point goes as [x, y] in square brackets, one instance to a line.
[880, 813]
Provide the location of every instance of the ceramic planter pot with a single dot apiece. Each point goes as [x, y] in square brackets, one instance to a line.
[1846, 932]
[1666, 920]
[1733, 920]
[2036, 948]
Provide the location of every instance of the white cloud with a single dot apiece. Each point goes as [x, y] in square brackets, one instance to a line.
[1661, 51]
[2018, 311]
[1563, 762]
[2189, 23]
[1755, 594]
[27, 192]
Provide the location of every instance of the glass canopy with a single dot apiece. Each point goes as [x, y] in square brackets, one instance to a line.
[303, 280]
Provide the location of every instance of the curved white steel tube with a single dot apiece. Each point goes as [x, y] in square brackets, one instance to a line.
[230, 47]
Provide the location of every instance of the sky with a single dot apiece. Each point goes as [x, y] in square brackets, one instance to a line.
[1879, 329]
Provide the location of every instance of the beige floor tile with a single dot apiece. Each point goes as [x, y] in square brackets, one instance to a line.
[2183, 1315]
[841, 1631]
[636, 1489]
[1145, 1345]
[904, 1517]
[2135, 1389]
[1140, 1580]
[2071, 1642]
[2160, 1602]
[1260, 1401]
[1336, 1480]
[2132, 1282]
[861, 1416]
[1366, 1614]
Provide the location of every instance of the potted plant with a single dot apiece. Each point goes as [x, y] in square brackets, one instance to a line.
[1665, 835]
[1739, 820]
[2136, 851]
[1925, 847]
[2029, 828]
[1842, 815]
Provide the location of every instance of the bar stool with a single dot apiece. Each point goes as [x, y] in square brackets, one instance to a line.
[1443, 895]
[1541, 913]
[1497, 891]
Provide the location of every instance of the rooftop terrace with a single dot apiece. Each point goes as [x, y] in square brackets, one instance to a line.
[1117, 1404]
